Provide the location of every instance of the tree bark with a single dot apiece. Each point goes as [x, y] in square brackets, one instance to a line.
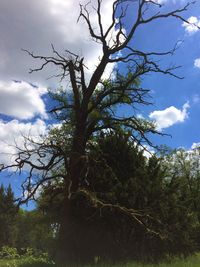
[67, 249]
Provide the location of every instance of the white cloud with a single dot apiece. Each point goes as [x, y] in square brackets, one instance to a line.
[34, 25]
[21, 100]
[192, 26]
[12, 133]
[161, 2]
[197, 63]
[169, 116]
[195, 146]
[148, 151]
[140, 116]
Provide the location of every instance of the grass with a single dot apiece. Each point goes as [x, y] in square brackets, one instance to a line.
[24, 263]
[193, 261]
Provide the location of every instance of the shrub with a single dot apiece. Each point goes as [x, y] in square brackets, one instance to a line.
[8, 253]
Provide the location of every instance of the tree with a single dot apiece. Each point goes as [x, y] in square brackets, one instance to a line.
[88, 105]
[35, 231]
[168, 223]
[8, 216]
[183, 177]
[183, 169]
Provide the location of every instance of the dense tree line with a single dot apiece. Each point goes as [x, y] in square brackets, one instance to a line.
[23, 229]
[139, 208]
[8, 217]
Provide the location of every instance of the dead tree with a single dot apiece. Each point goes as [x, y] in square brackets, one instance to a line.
[88, 105]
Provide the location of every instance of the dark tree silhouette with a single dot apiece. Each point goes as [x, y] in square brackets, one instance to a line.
[8, 216]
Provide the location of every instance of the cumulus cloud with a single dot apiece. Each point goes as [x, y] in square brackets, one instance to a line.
[192, 26]
[169, 116]
[34, 25]
[12, 134]
[21, 100]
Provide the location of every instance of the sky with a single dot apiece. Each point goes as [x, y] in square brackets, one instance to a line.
[35, 25]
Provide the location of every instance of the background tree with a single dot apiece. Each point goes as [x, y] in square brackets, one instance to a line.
[165, 222]
[8, 217]
[34, 230]
[88, 105]
[143, 184]
[183, 176]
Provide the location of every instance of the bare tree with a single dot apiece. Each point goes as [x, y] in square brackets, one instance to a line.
[88, 105]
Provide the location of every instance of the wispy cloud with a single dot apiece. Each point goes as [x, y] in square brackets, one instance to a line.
[197, 63]
[196, 98]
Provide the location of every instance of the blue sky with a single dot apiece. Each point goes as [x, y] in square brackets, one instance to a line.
[35, 24]
[176, 103]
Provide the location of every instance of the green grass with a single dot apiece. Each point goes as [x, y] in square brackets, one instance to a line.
[193, 261]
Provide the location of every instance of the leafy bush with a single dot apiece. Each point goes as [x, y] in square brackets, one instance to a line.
[28, 257]
[8, 253]
[34, 262]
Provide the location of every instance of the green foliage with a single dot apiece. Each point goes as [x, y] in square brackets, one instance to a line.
[34, 231]
[130, 208]
[183, 181]
[9, 253]
[35, 258]
[28, 257]
[121, 177]
[8, 216]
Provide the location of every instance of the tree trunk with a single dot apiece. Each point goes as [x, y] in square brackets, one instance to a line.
[67, 249]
